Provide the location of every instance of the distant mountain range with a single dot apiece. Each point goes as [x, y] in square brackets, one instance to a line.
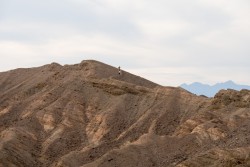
[209, 91]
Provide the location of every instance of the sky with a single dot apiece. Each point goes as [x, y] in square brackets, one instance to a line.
[168, 42]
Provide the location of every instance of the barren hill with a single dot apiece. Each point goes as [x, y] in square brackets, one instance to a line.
[87, 115]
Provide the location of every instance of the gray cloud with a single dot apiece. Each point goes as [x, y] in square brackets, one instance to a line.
[190, 37]
[85, 17]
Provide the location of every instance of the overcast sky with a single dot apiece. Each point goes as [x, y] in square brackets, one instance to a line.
[167, 41]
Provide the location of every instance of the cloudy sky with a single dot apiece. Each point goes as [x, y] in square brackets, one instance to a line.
[167, 41]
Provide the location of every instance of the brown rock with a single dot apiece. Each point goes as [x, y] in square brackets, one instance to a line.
[88, 115]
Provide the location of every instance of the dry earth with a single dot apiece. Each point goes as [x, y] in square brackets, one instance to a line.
[86, 115]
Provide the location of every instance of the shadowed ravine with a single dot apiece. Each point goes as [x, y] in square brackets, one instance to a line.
[90, 116]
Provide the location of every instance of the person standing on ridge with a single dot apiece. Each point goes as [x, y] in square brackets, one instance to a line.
[119, 70]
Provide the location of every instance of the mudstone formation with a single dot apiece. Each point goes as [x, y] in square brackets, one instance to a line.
[87, 115]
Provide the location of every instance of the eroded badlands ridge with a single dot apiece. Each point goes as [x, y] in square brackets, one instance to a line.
[87, 115]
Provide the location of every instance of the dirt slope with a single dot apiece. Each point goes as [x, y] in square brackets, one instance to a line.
[87, 115]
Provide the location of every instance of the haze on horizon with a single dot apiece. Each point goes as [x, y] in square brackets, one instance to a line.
[168, 42]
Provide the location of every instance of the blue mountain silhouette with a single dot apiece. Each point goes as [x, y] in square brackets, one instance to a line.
[209, 91]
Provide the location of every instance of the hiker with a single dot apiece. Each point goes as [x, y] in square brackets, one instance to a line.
[119, 70]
